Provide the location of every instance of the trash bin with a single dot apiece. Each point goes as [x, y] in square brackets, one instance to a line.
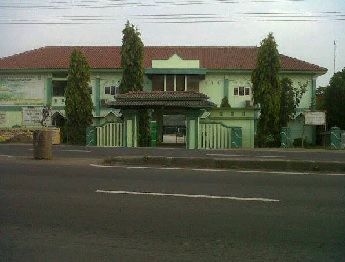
[42, 140]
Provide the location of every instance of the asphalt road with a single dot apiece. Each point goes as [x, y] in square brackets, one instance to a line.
[62, 210]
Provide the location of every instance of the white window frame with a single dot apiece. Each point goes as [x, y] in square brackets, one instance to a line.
[185, 82]
[241, 91]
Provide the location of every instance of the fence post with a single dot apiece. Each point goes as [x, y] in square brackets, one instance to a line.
[285, 137]
[153, 133]
[91, 136]
[236, 137]
[335, 138]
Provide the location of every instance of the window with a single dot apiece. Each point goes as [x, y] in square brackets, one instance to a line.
[180, 82]
[157, 82]
[174, 82]
[247, 91]
[111, 90]
[242, 91]
[170, 82]
[59, 87]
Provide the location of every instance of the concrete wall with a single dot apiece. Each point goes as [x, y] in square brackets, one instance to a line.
[236, 117]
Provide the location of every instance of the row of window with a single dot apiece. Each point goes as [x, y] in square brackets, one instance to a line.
[242, 91]
[175, 82]
[171, 83]
[111, 90]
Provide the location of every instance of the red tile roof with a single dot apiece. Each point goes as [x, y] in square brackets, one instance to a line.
[140, 99]
[109, 57]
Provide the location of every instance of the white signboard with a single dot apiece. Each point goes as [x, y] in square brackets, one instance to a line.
[21, 89]
[315, 118]
[36, 116]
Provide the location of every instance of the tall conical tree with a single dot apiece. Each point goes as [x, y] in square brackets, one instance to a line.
[266, 91]
[78, 104]
[132, 60]
[132, 64]
[334, 99]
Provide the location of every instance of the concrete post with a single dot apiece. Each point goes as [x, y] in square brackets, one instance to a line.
[335, 138]
[285, 137]
[130, 138]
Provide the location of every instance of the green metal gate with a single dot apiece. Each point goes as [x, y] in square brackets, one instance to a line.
[219, 136]
[110, 134]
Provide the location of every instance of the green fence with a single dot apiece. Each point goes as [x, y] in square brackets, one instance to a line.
[219, 136]
[110, 134]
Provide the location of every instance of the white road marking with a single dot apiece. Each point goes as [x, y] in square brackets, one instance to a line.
[102, 166]
[224, 155]
[271, 156]
[275, 172]
[333, 174]
[161, 168]
[222, 170]
[6, 156]
[188, 196]
[209, 170]
[71, 150]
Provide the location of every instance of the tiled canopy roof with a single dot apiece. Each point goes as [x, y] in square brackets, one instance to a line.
[161, 95]
[188, 99]
[109, 57]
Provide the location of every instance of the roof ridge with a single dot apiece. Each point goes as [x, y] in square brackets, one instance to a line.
[300, 60]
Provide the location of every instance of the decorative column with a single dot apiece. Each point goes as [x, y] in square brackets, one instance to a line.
[226, 88]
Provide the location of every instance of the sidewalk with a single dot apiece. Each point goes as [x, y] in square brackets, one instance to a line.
[221, 163]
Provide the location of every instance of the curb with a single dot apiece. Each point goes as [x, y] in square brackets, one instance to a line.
[218, 163]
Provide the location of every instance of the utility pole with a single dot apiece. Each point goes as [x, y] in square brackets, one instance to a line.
[334, 55]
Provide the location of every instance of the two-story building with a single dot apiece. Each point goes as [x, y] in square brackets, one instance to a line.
[185, 81]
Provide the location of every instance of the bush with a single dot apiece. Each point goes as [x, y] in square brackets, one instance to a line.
[225, 102]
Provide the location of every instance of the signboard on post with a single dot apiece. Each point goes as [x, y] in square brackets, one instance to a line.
[315, 118]
[36, 116]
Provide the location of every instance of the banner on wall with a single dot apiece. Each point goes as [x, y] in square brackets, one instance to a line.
[37, 116]
[21, 89]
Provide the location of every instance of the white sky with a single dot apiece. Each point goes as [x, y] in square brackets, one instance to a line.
[304, 29]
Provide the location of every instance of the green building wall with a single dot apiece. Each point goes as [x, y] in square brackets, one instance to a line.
[216, 84]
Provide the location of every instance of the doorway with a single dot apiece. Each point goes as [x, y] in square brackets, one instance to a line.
[174, 130]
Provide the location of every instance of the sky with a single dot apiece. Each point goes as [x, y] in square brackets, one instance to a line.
[310, 30]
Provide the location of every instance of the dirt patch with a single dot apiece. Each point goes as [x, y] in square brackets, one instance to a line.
[20, 138]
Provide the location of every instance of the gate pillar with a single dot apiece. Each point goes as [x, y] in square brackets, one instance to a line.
[193, 119]
[285, 137]
[130, 121]
[335, 138]
[236, 137]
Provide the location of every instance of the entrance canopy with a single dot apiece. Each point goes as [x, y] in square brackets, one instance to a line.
[189, 103]
[160, 100]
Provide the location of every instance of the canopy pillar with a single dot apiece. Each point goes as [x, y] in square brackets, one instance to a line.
[130, 120]
[192, 122]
